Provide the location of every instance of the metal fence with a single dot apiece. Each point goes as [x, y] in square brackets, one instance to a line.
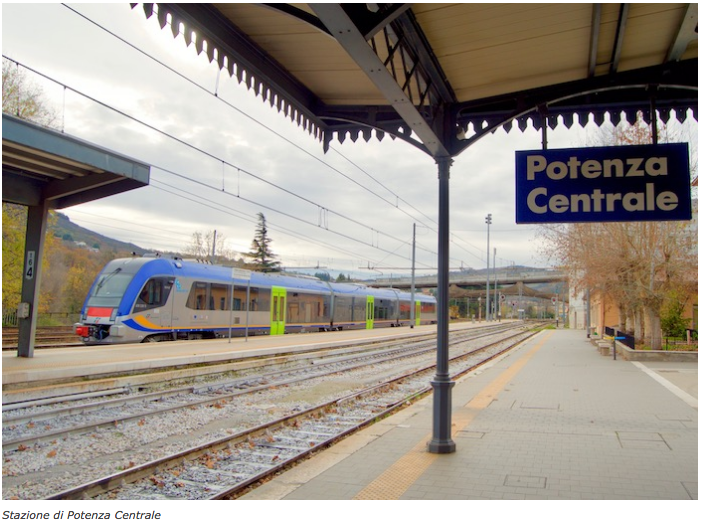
[692, 340]
[46, 319]
[626, 339]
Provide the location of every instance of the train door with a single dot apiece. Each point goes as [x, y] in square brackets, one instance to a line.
[278, 310]
[417, 313]
[370, 313]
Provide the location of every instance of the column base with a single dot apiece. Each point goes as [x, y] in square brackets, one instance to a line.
[442, 406]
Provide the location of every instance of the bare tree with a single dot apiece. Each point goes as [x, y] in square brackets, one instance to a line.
[208, 246]
[638, 265]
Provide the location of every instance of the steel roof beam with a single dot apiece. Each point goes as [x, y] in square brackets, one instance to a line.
[371, 18]
[594, 39]
[620, 34]
[417, 40]
[344, 30]
[688, 32]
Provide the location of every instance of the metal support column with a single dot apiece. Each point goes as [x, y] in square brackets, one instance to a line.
[442, 384]
[412, 307]
[37, 217]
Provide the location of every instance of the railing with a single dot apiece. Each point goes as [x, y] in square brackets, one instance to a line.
[626, 339]
[46, 319]
[646, 343]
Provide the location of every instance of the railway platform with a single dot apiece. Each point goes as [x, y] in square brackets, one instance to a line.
[552, 419]
[59, 366]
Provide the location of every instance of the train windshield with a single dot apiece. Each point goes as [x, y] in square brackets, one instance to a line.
[110, 288]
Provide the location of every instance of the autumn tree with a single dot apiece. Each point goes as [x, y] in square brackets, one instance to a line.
[23, 98]
[263, 258]
[639, 265]
[14, 227]
[14, 219]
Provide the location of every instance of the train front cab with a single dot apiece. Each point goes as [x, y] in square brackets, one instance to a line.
[124, 290]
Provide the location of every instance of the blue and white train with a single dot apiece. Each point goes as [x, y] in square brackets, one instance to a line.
[144, 299]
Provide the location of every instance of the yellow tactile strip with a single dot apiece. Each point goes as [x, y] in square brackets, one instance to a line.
[399, 477]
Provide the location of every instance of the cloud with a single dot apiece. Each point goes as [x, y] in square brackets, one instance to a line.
[219, 160]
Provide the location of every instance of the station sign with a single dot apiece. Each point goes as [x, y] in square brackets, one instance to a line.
[603, 184]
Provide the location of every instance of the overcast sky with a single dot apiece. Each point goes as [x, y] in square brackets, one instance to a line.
[345, 210]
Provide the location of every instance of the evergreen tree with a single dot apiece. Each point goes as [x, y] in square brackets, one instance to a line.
[261, 253]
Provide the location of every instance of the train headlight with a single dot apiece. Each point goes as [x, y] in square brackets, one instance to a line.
[113, 316]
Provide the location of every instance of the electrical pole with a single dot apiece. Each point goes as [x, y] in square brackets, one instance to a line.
[496, 303]
[412, 313]
[488, 220]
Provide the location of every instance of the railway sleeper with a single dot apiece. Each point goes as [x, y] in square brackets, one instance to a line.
[315, 434]
[287, 447]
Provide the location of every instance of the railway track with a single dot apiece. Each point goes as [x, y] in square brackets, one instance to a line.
[267, 444]
[27, 423]
[45, 337]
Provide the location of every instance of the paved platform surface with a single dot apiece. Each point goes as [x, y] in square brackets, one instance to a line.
[551, 420]
[52, 364]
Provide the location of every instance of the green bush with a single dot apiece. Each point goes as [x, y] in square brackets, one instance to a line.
[673, 324]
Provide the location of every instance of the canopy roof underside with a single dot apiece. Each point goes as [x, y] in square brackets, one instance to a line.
[442, 75]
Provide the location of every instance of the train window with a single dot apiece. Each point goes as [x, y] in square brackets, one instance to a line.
[404, 310]
[260, 300]
[153, 294]
[110, 289]
[385, 309]
[209, 296]
[219, 296]
[305, 307]
[197, 300]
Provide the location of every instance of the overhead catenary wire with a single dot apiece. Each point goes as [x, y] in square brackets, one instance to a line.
[219, 98]
[373, 230]
[281, 228]
[218, 159]
[235, 108]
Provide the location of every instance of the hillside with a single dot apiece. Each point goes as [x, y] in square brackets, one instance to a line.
[69, 231]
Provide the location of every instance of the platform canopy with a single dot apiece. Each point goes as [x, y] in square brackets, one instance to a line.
[40, 164]
[443, 75]
[44, 169]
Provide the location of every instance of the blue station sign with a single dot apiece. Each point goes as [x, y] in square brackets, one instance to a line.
[616, 183]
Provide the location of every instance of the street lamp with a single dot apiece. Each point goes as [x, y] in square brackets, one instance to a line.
[488, 220]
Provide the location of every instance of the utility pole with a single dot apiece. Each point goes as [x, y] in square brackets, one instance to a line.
[496, 303]
[488, 220]
[412, 313]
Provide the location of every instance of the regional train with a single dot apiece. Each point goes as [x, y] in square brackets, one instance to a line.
[147, 299]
